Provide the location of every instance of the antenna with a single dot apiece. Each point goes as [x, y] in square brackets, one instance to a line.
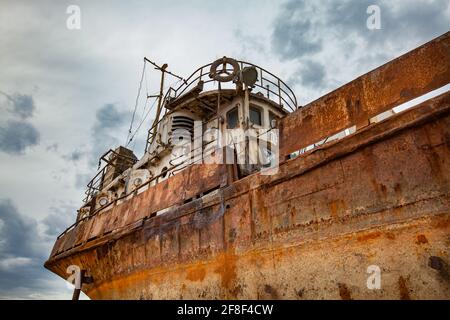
[163, 70]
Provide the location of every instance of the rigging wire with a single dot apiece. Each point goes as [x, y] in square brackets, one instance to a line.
[142, 117]
[142, 121]
[130, 135]
[143, 111]
[137, 102]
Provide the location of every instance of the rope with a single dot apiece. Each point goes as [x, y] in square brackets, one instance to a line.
[142, 121]
[136, 104]
[130, 136]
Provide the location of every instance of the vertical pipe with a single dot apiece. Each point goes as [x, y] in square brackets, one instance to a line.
[158, 111]
[279, 91]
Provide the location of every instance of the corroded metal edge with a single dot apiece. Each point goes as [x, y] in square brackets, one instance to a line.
[411, 75]
[258, 214]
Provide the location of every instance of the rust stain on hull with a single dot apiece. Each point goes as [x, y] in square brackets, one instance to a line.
[378, 197]
[266, 232]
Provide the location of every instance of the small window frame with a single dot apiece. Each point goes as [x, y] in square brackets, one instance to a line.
[260, 112]
[235, 109]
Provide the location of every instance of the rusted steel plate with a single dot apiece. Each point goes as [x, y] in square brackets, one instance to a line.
[152, 249]
[203, 178]
[57, 246]
[98, 225]
[70, 240]
[209, 222]
[185, 185]
[189, 240]
[238, 223]
[381, 196]
[276, 195]
[407, 77]
[170, 244]
[117, 215]
[82, 232]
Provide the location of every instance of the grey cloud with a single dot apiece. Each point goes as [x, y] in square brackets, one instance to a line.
[75, 156]
[81, 180]
[311, 74]
[18, 234]
[16, 136]
[302, 26]
[108, 121]
[249, 44]
[292, 36]
[108, 117]
[400, 21]
[22, 104]
[19, 257]
[22, 254]
[52, 147]
[422, 20]
[59, 219]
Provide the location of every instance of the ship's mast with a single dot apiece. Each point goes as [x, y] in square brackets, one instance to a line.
[163, 70]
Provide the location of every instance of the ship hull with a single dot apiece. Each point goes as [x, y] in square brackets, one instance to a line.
[376, 200]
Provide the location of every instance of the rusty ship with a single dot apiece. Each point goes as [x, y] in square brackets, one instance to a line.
[304, 209]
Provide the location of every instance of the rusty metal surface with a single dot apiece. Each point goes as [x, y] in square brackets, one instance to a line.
[379, 197]
[407, 77]
[175, 190]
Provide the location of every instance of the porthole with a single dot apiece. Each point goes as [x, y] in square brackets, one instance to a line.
[103, 201]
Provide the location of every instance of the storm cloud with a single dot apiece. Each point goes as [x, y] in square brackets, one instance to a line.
[24, 249]
[68, 95]
[310, 74]
[325, 37]
[21, 251]
[294, 33]
[22, 105]
[18, 234]
[16, 132]
[16, 136]
[302, 27]
[108, 121]
[59, 219]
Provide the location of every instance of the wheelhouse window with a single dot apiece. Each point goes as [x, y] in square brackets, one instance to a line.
[255, 116]
[232, 118]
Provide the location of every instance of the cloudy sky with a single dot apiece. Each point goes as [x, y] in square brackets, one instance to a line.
[66, 96]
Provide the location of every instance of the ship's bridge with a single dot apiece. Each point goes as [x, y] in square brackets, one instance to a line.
[226, 105]
[217, 83]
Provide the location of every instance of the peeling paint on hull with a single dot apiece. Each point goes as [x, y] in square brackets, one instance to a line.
[309, 232]
[380, 196]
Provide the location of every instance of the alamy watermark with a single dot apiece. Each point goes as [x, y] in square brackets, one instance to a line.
[74, 279]
[373, 22]
[73, 21]
[259, 147]
[374, 279]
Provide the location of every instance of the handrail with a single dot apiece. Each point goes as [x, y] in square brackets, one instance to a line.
[292, 105]
[283, 94]
[126, 195]
[96, 182]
